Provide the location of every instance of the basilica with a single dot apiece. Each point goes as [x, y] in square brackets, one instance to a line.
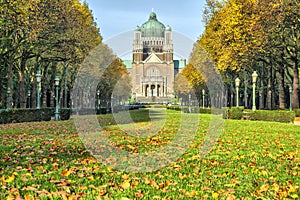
[152, 67]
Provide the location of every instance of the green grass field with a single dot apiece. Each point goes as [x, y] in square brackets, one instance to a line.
[251, 160]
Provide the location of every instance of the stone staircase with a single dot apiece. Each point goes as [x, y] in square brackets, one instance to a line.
[153, 99]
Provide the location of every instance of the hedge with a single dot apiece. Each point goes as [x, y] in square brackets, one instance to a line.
[64, 113]
[89, 111]
[194, 109]
[233, 112]
[174, 108]
[273, 116]
[25, 115]
[297, 112]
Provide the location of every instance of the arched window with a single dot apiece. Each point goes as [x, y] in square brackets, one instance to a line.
[153, 71]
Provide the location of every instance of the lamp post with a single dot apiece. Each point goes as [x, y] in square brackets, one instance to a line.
[98, 99]
[254, 77]
[38, 81]
[56, 82]
[237, 85]
[8, 97]
[291, 100]
[29, 95]
[203, 94]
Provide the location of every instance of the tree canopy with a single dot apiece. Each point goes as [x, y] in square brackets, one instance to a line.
[47, 36]
[242, 36]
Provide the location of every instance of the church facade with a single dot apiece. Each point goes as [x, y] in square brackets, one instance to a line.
[152, 67]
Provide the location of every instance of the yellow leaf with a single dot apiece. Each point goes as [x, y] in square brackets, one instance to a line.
[147, 181]
[9, 179]
[231, 197]
[264, 188]
[264, 173]
[215, 195]
[292, 189]
[125, 177]
[294, 196]
[191, 194]
[10, 198]
[130, 147]
[125, 185]
[275, 187]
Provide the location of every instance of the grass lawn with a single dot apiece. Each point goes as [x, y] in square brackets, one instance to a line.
[251, 160]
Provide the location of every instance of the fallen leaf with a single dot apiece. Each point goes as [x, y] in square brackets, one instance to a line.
[125, 185]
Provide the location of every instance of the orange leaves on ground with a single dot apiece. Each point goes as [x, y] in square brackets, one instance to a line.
[30, 188]
[281, 191]
[65, 173]
[139, 194]
[55, 165]
[264, 188]
[28, 197]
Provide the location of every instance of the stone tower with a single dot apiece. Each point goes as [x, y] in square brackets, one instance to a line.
[152, 65]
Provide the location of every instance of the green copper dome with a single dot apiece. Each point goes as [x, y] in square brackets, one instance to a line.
[152, 27]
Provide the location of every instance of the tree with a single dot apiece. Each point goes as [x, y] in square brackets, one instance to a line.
[52, 37]
[246, 35]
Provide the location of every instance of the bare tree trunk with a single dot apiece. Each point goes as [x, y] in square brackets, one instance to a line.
[231, 95]
[281, 88]
[2, 92]
[63, 90]
[245, 90]
[225, 98]
[273, 89]
[295, 85]
[44, 86]
[66, 89]
[10, 81]
[269, 94]
[34, 92]
[52, 88]
[261, 91]
[22, 92]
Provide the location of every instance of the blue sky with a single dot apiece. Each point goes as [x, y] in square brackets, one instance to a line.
[116, 16]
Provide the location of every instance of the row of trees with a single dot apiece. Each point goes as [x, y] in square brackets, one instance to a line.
[47, 36]
[243, 36]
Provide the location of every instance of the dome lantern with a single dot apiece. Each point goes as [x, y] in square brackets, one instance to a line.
[153, 27]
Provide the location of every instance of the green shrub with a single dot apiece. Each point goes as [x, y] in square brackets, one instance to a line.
[174, 108]
[225, 112]
[25, 115]
[297, 112]
[65, 113]
[236, 112]
[205, 110]
[273, 115]
[233, 113]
